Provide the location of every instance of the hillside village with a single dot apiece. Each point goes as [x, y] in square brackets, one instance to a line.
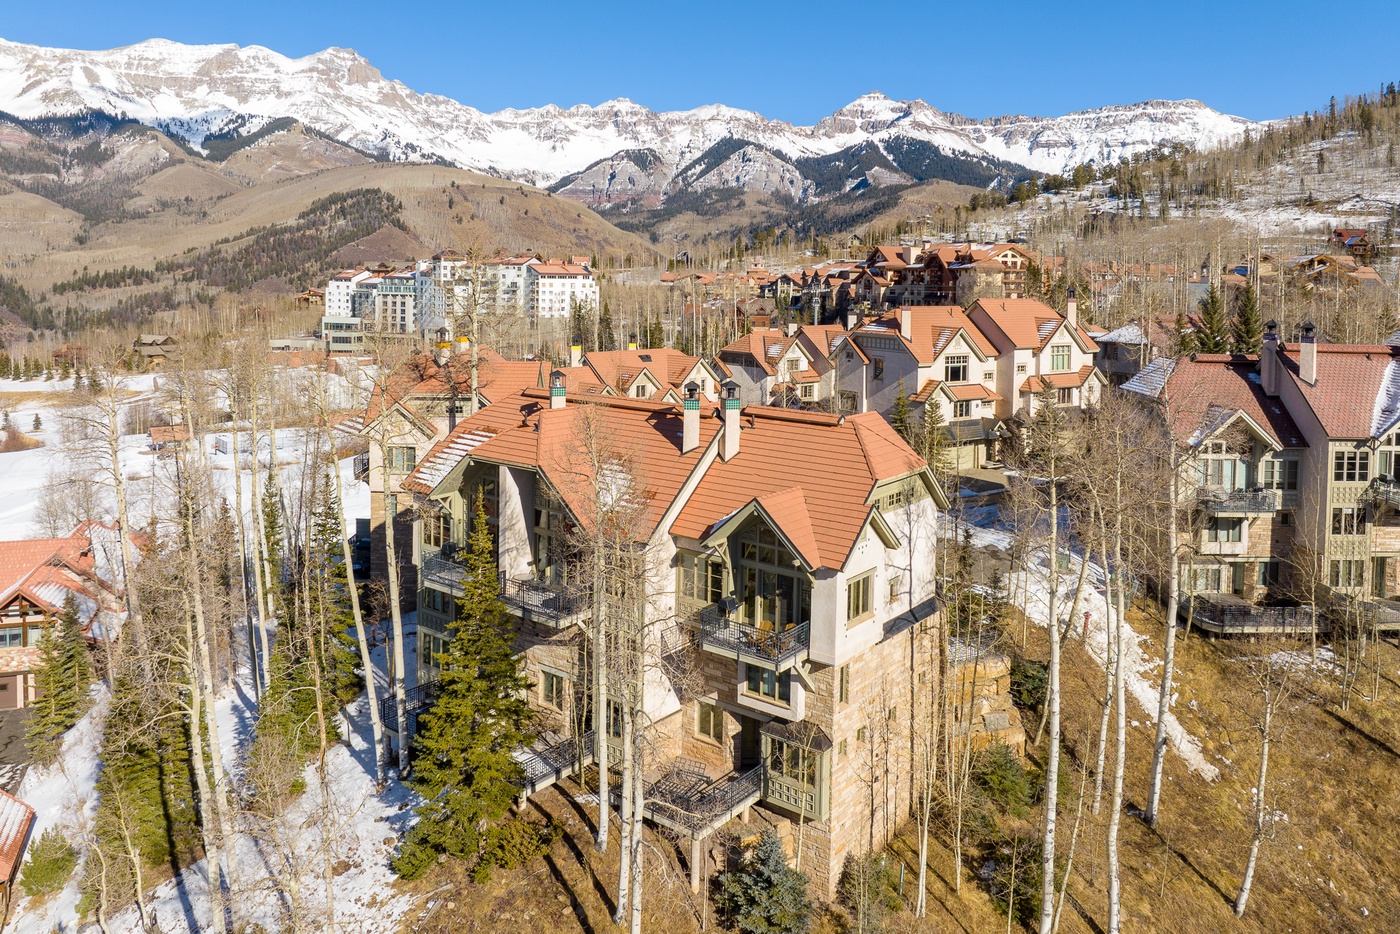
[906, 523]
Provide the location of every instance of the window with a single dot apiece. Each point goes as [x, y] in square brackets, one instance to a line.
[1349, 520]
[1268, 574]
[1351, 466]
[700, 578]
[1278, 474]
[896, 581]
[988, 375]
[792, 762]
[848, 402]
[843, 684]
[765, 682]
[1219, 471]
[436, 529]
[614, 715]
[709, 721]
[1065, 396]
[955, 369]
[878, 363]
[1059, 358]
[1348, 573]
[806, 391]
[841, 749]
[553, 688]
[1020, 368]
[962, 409]
[774, 593]
[1224, 530]
[1206, 580]
[402, 458]
[436, 647]
[858, 597]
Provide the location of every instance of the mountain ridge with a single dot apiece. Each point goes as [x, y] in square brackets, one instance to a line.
[195, 93]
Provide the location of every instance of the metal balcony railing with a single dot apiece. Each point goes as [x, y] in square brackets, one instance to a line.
[1384, 491]
[769, 647]
[416, 702]
[1239, 502]
[541, 602]
[442, 569]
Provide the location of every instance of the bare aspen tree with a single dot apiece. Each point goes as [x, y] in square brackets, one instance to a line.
[1274, 683]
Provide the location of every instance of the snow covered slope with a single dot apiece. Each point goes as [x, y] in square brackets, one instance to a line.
[195, 92]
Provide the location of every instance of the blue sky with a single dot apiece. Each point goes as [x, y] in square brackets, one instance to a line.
[796, 61]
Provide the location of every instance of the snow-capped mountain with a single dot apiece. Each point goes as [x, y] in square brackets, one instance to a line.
[615, 153]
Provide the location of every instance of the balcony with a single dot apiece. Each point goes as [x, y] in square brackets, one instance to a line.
[1227, 615]
[536, 601]
[416, 701]
[723, 634]
[1384, 491]
[685, 799]
[1238, 502]
[442, 569]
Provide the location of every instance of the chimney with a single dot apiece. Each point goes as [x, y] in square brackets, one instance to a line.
[1268, 360]
[1307, 355]
[906, 323]
[730, 447]
[690, 418]
[557, 390]
[852, 319]
[631, 342]
[792, 329]
[576, 352]
[1071, 307]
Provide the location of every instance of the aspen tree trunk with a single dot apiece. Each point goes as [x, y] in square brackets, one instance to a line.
[1266, 728]
[1052, 764]
[213, 858]
[1073, 841]
[1164, 696]
[638, 820]
[206, 669]
[1112, 650]
[396, 617]
[256, 662]
[366, 660]
[602, 729]
[259, 548]
[624, 873]
[1121, 741]
[135, 621]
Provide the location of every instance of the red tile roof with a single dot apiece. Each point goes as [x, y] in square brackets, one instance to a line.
[1204, 389]
[1070, 380]
[1027, 323]
[1349, 379]
[16, 819]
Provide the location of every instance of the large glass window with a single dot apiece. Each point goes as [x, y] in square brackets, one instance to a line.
[1351, 466]
[1059, 358]
[1349, 520]
[1279, 474]
[402, 458]
[792, 762]
[1224, 530]
[774, 592]
[709, 721]
[550, 527]
[699, 578]
[859, 596]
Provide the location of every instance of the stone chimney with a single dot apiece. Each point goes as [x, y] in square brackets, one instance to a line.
[1307, 355]
[558, 389]
[730, 448]
[690, 418]
[576, 353]
[1268, 360]
[1071, 307]
[906, 323]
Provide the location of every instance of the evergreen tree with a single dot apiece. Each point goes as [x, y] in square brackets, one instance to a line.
[62, 679]
[465, 768]
[607, 336]
[1247, 328]
[38, 422]
[901, 418]
[766, 896]
[934, 441]
[1186, 343]
[272, 532]
[1215, 331]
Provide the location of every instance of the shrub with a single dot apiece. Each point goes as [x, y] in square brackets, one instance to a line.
[1000, 775]
[1013, 876]
[1029, 683]
[869, 890]
[765, 896]
[51, 862]
[514, 843]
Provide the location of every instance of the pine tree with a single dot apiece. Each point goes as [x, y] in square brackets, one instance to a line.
[1186, 343]
[38, 422]
[933, 440]
[465, 768]
[1247, 328]
[766, 896]
[1215, 331]
[62, 679]
[901, 418]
